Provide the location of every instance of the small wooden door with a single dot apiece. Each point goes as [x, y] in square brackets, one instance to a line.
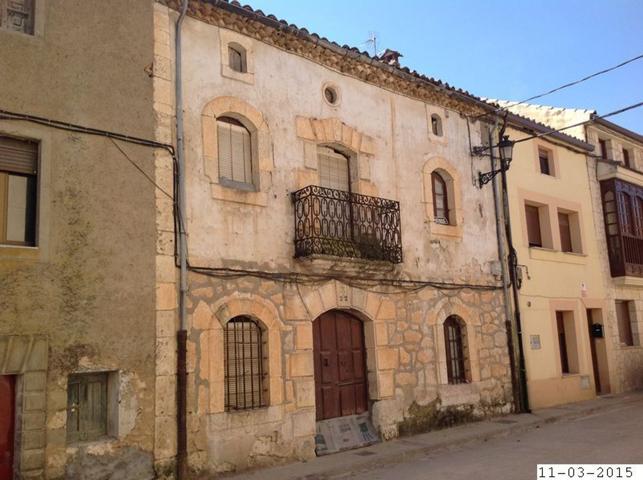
[340, 365]
[7, 423]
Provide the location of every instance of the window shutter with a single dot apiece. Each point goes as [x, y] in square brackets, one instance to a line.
[225, 150]
[565, 233]
[533, 226]
[18, 156]
[240, 147]
[333, 170]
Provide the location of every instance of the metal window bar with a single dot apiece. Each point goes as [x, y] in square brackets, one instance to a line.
[244, 370]
[454, 351]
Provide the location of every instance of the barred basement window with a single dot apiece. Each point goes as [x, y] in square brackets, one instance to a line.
[245, 373]
[456, 352]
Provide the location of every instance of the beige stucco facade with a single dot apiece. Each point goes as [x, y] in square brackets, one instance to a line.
[82, 299]
[554, 280]
[622, 366]
[392, 151]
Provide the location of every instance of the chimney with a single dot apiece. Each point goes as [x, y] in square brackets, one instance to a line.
[391, 57]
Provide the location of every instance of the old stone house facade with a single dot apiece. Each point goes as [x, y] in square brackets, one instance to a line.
[336, 235]
[77, 240]
[614, 182]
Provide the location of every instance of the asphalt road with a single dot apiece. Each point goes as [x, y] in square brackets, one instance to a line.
[612, 436]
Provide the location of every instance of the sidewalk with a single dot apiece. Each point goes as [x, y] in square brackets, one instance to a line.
[409, 448]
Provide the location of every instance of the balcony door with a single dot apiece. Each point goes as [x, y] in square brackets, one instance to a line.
[334, 169]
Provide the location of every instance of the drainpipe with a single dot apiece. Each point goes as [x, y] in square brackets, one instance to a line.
[181, 335]
[502, 256]
[523, 397]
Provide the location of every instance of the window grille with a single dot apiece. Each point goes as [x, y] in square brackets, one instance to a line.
[244, 365]
[455, 350]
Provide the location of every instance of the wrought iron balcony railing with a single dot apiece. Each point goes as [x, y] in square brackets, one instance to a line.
[344, 224]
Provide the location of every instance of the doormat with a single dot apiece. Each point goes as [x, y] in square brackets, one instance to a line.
[344, 433]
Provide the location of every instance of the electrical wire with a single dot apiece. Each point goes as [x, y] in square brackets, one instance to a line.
[584, 122]
[562, 87]
[150, 179]
[365, 283]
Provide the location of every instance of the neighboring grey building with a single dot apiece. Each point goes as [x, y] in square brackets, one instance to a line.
[77, 241]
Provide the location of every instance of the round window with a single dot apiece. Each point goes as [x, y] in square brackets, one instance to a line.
[330, 94]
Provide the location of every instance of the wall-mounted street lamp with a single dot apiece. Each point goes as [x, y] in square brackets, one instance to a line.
[506, 148]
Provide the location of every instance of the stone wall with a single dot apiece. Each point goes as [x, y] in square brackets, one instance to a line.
[408, 388]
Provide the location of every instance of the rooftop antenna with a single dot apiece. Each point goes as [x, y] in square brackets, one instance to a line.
[372, 39]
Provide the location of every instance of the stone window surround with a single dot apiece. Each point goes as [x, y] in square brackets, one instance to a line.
[454, 195]
[40, 7]
[27, 356]
[333, 132]
[549, 223]
[262, 162]
[615, 145]
[472, 325]
[39, 134]
[229, 38]
[212, 319]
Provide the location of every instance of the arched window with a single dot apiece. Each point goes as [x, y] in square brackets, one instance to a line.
[440, 199]
[436, 125]
[456, 353]
[235, 151]
[237, 58]
[333, 169]
[244, 364]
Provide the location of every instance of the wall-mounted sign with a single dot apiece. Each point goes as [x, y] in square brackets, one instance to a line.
[534, 342]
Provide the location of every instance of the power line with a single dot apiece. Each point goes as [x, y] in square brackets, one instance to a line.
[150, 179]
[615, 112]
[567, 85]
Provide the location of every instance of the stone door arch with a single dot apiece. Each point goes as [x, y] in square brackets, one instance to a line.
[341, 386]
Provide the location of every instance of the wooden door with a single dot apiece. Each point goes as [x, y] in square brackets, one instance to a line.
[7, 422]
[340, 365]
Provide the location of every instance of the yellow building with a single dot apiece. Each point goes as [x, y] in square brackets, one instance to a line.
[562, 292]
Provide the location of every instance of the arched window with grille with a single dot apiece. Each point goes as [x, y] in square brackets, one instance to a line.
[456, 350]
[245, 371]
[235, 153]
[440, 199]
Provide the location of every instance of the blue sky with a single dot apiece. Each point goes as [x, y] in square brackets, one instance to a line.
[498, 48]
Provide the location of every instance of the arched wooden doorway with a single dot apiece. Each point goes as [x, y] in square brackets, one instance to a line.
[340, 365]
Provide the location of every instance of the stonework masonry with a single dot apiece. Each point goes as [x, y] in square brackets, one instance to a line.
[392, 151]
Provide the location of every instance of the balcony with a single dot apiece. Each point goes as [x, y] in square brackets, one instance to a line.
[623, 212]
[344, 224]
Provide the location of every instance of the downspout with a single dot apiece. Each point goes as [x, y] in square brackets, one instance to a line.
[181, 335]
[502, 256]
[523, 397]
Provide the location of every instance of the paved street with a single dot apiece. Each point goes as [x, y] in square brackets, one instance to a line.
[613, 436]
[605, 430]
